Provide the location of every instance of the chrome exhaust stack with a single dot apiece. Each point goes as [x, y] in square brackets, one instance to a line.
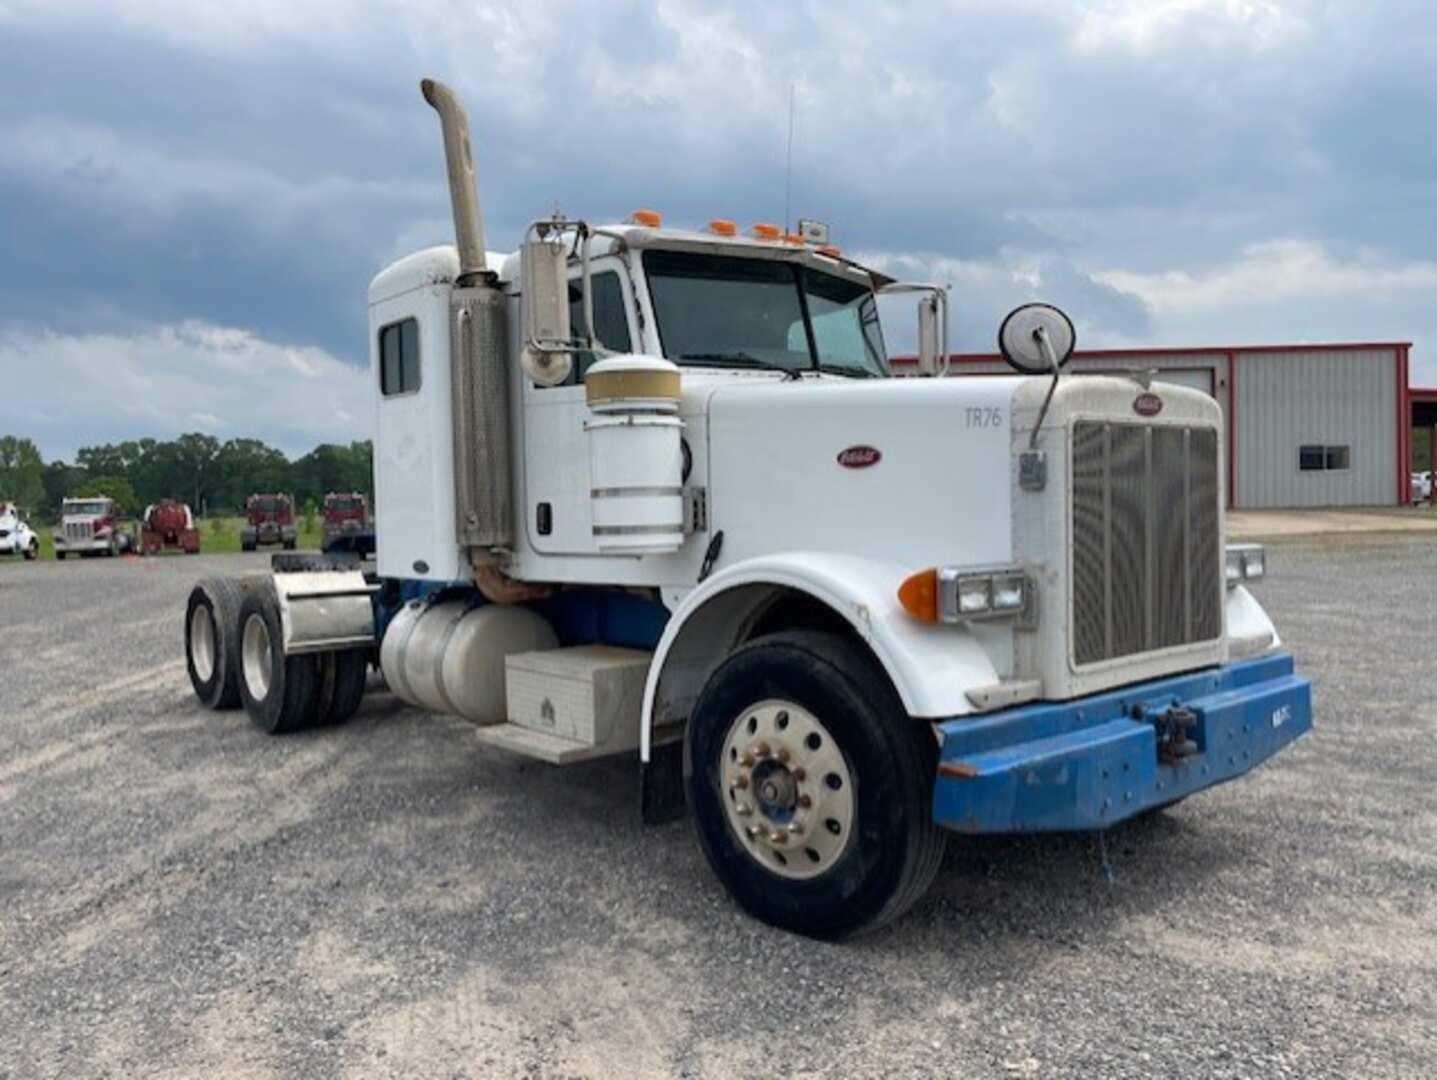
[478, 371]
[463, 186]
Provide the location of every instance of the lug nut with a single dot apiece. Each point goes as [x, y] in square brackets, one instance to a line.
[747, 760]
[753, 831]
[804, 801]
[742, 782]
[783, 754]
[778, 837]
[743, 809]
[800, 774]
[795, 828]
[763, 749]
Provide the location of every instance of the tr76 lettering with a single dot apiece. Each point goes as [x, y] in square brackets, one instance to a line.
[983, 416]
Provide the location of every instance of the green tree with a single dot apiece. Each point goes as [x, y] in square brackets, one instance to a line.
[22, 473]
[116, 487]
[59, 477]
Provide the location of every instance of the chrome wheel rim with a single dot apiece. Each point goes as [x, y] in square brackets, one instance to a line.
[255, 650]
[202, 643]
[787, 789]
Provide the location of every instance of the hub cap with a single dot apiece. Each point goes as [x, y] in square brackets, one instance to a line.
[787, 789]
[257, 660]
[202, 643]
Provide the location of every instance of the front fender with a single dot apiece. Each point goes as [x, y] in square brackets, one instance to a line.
[931, 667]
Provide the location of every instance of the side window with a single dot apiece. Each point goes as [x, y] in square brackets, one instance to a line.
[1324, 458]
[399, 358]
[611, 319]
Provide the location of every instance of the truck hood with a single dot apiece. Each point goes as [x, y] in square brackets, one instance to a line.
[913, 471]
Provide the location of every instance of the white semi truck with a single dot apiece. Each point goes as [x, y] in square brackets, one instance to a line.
[645, 489]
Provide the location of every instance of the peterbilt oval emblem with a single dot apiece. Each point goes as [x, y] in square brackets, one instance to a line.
[1148, 404]
[859, 457]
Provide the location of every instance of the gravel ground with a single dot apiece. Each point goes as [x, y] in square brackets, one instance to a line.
[181, 896]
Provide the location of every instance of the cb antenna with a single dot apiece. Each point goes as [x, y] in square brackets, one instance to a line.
[788, 164]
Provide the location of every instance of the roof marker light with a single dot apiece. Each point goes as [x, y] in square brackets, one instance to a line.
[723, 227]
[652, 218]
[765, 230]
[831, 251]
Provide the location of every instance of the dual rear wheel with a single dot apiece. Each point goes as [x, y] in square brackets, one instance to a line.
[234, 648]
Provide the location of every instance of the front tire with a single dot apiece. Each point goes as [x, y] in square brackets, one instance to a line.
[812, 787]
[279, 692]
[32, 551]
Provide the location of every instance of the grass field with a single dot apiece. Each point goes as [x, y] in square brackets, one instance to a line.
[217, 535]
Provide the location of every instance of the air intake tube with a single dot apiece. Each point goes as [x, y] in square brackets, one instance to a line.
[463, 187]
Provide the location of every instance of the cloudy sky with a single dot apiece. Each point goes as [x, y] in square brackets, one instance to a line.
[193, 196]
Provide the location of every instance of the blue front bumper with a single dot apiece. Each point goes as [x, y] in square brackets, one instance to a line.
[1089, 763]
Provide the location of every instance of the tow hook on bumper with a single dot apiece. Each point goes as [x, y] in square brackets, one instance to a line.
[1172, 726]
[1091, 762]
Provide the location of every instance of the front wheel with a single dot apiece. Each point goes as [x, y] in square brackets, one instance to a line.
[812, 787]
[32, 551]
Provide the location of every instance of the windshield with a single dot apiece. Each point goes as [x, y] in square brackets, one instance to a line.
[342, 502]
[267, 504]
[86, 506]
[764, 313]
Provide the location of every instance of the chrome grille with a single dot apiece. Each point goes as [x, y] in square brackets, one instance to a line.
[1146, 568]
[79, 530]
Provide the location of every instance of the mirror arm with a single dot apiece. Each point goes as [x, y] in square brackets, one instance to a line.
[1040, 335]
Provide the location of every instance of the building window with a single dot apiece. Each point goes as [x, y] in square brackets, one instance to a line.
[399, 358]
[1323, 458]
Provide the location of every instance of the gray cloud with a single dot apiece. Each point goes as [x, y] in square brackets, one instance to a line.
[253, 165]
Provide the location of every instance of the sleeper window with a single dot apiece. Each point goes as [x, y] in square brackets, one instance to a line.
[399, 358]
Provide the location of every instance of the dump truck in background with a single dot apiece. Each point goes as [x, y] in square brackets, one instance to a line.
[651, 489]
[91, 526]
[269, 520]
[16, 536]
[347, 525]
[169, 524]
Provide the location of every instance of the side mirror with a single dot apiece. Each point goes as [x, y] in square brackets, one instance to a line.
[1037, 339]
[929, 345]
[545, 285]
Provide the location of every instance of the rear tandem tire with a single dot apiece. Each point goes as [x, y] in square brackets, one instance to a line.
[212, 640]
[342, 678]
[280, 693]
[855, 844]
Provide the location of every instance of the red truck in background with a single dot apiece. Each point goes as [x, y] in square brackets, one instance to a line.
[169, 524]
[346, 522]
[91, 526]
[270, 521]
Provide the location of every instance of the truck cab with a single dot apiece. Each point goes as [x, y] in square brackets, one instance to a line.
[91, 526]
[269, 519]
[655, 488]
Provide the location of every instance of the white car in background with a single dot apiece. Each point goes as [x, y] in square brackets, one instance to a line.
[1421, 487]
[16, 537]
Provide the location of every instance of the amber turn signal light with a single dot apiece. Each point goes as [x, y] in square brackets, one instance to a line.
[919, 595]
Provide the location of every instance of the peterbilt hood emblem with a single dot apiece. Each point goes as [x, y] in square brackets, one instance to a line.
[1147, 404]
[859, 457]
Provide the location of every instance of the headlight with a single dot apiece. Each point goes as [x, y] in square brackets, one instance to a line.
[1245, 562]
[949, 594]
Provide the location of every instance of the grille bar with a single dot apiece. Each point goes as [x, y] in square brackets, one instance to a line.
[1145, 538]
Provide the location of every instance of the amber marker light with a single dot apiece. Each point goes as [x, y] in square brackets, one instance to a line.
[723, 227]
[652, 218]
[919, 595]
[765, 230]
[831, 251]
